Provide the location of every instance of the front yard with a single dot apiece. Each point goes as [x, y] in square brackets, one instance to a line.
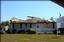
[31, 38]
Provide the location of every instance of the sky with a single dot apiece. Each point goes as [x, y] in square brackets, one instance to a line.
[22, 9]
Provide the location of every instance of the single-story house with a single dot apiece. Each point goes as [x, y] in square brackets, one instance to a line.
[39, 26]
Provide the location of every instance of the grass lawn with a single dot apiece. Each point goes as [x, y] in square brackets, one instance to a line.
[31, 38]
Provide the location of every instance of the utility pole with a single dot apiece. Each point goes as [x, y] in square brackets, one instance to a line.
[57, 28]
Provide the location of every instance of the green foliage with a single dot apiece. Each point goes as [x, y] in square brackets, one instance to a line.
[31, 31]
[5, 23]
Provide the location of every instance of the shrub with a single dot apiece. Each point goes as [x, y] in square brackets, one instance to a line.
[21, 31]
[31, 31]
[8, 31]
[11, 32]
[55, 31]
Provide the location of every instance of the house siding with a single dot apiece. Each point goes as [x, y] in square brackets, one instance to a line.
[40, 27]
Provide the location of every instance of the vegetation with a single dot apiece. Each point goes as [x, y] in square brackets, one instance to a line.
[31, 31]
[31, 38]
[5, 23]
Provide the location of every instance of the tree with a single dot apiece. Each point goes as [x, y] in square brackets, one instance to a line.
[5, 23]
[51, 19]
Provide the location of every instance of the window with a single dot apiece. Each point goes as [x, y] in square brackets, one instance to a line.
[37, 26]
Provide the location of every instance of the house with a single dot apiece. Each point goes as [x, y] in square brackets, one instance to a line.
[60, 24]
[35, 23]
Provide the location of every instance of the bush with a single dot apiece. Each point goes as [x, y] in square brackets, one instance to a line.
[8, 31]
[21, 31]
[31, 31]
[55, 31]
